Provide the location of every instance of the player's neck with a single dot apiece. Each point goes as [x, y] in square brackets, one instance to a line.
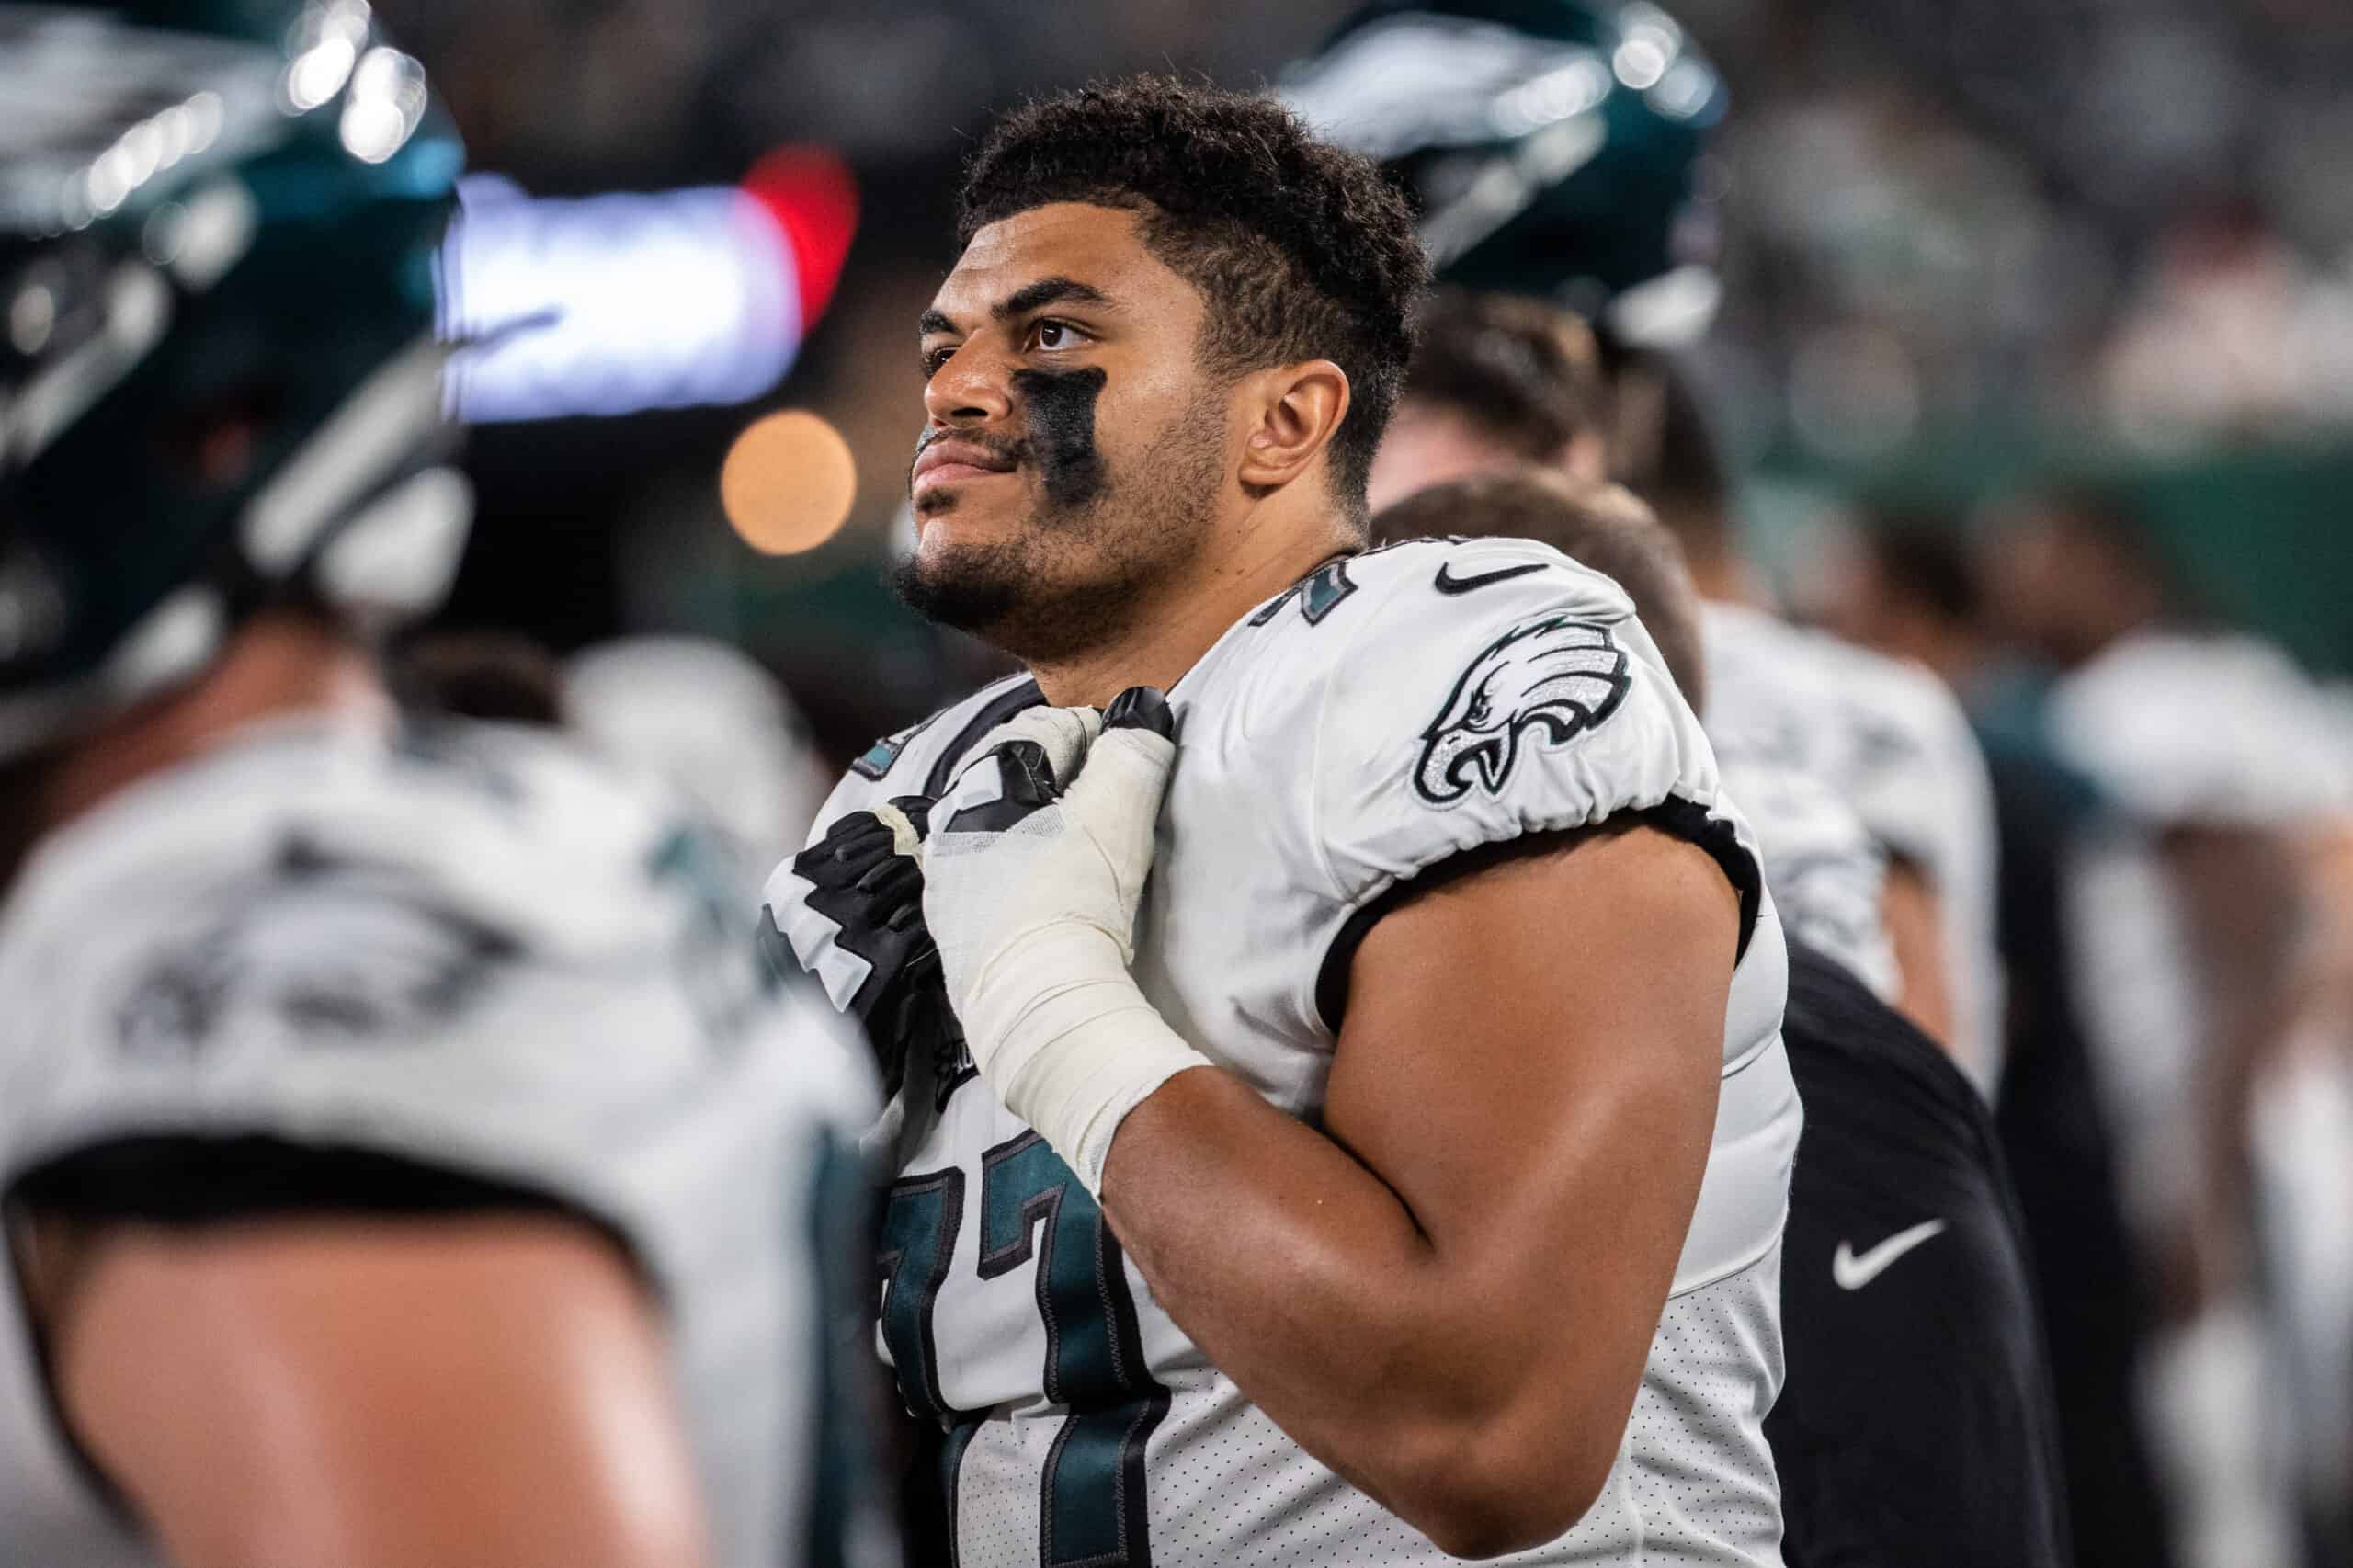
[1167, 637]
[276, 665]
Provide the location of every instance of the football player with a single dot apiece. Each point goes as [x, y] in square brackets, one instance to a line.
[1553, 147]
[1910, 586]
[1888, 737]
[1916, 1424]
[400, 1161]
[1398, 1169]
[2190, 913]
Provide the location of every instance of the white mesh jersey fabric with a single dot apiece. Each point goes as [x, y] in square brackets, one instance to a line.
[1365, 727]
[1229, 1490]
[1828, 874]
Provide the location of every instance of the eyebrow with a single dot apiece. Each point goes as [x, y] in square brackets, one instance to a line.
[1022, 301]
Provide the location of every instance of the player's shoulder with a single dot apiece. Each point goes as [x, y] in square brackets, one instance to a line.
[1382, 624]
[1877, 686]
[422, 856]
[1422, 589]
[1424, 700]
[1437, 667]
[524, 827]
[465, 938]
[1900, 690]
[2211, 727]
[1873, 715]
[1743, 634]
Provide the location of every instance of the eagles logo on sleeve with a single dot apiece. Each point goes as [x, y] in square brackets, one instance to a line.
[1556, 676]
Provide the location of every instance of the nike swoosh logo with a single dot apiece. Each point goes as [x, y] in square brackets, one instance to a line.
[1449, 583]
[1853, 1273]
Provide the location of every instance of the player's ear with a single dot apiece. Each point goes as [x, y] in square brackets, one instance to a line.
[1294, 410]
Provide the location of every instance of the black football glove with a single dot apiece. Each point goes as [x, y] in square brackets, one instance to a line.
[865, 883]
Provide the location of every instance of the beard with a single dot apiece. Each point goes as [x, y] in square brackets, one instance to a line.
[1075, 573]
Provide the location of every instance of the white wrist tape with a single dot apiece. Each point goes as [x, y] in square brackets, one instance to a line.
[1030, 890]
[1074, 1054]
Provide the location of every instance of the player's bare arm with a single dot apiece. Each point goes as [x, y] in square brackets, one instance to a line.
[376, 1394]
[1914, 918]
[2246, 891]
[1448, 1293]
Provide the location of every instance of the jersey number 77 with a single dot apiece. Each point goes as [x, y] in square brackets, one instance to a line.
[1091, 1509]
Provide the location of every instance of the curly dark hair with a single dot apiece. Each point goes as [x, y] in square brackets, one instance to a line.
[1302, 250]
[1528, 373]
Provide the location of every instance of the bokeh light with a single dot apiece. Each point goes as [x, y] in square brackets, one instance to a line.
[787, 483]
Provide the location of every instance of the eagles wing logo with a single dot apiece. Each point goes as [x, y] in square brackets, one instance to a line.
[1555, 676]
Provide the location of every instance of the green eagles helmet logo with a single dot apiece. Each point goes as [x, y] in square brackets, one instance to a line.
[1553, 678]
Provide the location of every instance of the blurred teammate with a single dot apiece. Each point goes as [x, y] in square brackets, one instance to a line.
[500, 677]
[1541, 171]
[1915, 1423]
[1910, 587]
[1888, 740]
[1420, 1190]
[2192, 917]
[710, 721]
[401, 1163]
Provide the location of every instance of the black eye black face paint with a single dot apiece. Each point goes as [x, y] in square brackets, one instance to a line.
[1061, 432]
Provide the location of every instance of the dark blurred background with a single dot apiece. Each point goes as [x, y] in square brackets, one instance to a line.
[1963, 239]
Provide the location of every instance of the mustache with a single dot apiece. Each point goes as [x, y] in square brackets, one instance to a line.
[1014, 451]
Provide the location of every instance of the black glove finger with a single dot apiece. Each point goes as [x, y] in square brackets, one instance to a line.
[890, 883]
[850, 847]
[849, 824]
[894, 953]
[862, 848]
[1026, 782]
[1142, 707]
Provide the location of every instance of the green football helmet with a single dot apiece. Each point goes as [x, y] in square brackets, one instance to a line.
[1552, 145]
[219, 387]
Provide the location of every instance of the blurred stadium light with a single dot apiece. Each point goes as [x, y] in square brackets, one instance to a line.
[617, 303]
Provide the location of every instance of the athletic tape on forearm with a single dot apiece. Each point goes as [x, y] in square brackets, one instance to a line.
[1071, 1057]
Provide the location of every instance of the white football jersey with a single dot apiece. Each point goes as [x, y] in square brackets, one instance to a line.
[1390, 712]
[1890, 742]
[1828, 874]
[460, 953]
[2178, 730]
